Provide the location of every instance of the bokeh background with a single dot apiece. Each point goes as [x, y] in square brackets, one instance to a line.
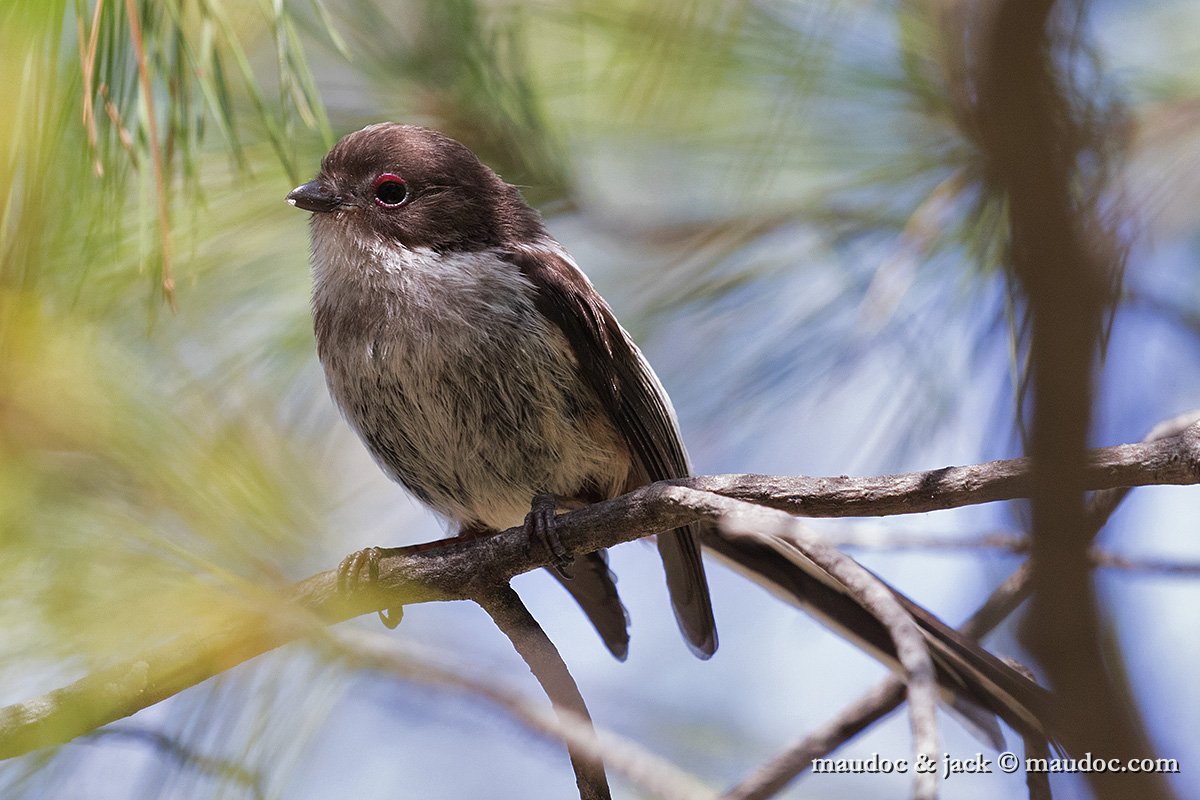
[782, 201]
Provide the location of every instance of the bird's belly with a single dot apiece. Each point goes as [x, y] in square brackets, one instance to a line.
[475, 426]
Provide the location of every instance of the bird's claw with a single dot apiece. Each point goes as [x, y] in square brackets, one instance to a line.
[540, 525]
[350, 579]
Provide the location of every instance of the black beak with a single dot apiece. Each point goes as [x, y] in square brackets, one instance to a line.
[312, 196]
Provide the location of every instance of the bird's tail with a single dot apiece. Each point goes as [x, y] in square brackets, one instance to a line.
[976, 683]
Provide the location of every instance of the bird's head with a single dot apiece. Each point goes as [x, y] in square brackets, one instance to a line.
[403, 185]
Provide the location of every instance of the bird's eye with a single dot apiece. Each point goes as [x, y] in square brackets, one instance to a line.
[390, 190]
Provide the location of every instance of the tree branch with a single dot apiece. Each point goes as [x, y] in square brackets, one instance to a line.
[653, 775]
[529, 640]
[1034, 143]
[1010, 542]
[772, 776]
[458, 569]
[739, 520]
[769, 779]
[1157, 462]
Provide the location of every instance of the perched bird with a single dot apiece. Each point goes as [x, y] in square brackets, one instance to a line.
[479, 365]
[485, 373]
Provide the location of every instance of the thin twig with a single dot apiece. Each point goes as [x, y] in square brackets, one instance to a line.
[533, 645]
[1172, 460]
[1158, 567]
[653, 775]
[856, 538]
[772, 776]
[1009, 541]
[123, 134]
[787, 537]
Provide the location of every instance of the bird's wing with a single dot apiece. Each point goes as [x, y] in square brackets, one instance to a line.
[614, 367]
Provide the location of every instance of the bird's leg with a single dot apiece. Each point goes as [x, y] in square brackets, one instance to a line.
[350, 577]
[540, 525]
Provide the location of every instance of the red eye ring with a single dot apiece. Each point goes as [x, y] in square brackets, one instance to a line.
[390, 190]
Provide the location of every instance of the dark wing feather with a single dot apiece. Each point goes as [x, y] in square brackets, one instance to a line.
[613, 366]
[594, 587]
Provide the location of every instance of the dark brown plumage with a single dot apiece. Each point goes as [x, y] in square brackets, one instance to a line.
[476, 361]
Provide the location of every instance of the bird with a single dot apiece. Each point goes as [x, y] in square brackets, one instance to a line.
[484, 372]
[479, 365]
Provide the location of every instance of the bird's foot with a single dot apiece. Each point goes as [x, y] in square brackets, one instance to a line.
[351, 577]
[540, 525]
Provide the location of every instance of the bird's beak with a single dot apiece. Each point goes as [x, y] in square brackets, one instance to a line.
[312, 196]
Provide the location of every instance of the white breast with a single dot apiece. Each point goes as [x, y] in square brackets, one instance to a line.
[460, 389]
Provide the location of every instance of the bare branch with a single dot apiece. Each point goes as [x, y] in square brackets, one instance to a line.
[1010, 541]
[1037, 781]
[458, 569]
[655, 776]
[529, 640]
[770, 778]
[783, 534]
[1163, 461]
[1033, 143]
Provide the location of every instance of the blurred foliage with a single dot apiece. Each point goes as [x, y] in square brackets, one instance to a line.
[107, 436]
[93, 90]
[148, 478]
[797, 183]
[460, 65]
